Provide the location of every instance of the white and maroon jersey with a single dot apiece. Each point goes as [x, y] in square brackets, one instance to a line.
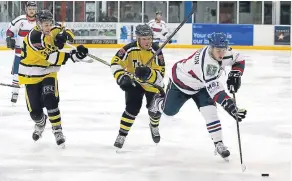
[201, 71]
[159, 30]
[19, 28]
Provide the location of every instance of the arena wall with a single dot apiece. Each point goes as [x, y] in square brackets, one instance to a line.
[115, 35]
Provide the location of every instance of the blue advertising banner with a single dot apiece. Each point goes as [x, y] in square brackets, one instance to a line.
[236, 34]
[282, 35]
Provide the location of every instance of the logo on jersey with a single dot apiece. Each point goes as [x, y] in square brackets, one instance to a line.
[211, 69]
[121, 53]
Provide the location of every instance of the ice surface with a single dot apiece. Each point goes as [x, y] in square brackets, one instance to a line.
[91, 106]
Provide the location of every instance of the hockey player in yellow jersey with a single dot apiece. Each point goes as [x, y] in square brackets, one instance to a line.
[130, 59]
[41, 60]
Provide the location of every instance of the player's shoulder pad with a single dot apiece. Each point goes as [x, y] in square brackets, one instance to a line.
[35, 39]
[151, 21]
[162, 22]
[17, 19]
[123, 51]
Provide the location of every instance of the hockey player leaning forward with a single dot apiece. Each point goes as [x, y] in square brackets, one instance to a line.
[197, 77]
[130, 58]
[41, 60]
[17, 30]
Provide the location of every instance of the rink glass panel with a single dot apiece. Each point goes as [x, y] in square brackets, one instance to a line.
[234, 12]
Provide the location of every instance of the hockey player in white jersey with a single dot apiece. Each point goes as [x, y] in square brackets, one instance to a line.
[197, 77]
[159, 28]
[17, 30]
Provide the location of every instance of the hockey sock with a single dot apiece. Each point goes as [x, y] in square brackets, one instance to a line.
[127, 121]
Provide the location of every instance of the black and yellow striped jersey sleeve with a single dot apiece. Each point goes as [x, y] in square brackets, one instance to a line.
[40, 57]
[132, 55]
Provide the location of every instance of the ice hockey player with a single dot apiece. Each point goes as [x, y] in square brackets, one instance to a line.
[41, 60]
[197, 77]
[17, 30]
[159, 28]
[130, 59]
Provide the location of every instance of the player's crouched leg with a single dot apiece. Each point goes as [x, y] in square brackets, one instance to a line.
[50, 97]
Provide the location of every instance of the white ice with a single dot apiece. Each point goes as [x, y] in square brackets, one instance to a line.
[91, 106]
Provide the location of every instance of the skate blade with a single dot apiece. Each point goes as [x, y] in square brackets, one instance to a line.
[226, 159]
[62, 146]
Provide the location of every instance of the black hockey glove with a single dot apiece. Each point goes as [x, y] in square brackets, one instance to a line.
[125, 82]
[10, 42]
[230, 107]
[60, 40]
[234, 80]
[143, 73]
[79, 54]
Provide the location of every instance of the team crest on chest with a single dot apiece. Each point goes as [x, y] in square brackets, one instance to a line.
[211, 69]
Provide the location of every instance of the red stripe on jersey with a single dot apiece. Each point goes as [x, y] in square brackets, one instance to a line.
[177, 81]
[23, 33]
[18, 50]
[156, 29]
[9, 33]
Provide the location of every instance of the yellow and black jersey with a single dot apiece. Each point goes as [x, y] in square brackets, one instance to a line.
[132, 55]
[40, 57]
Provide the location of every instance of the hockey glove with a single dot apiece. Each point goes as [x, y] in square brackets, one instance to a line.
[10, 42]
[79, 54]
[60, 40]
[143, 73]
[234, 81]
[230, 107]
[125, 82]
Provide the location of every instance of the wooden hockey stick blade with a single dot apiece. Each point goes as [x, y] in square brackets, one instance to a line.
[169, 38]
[9, 85]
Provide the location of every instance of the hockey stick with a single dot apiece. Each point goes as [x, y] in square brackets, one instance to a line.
[9, 85]
[91, 56]
[243, 167]
[169, 38]
[161, 90]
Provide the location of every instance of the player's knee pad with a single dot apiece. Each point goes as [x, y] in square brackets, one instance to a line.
[155, 116]
[209, 113]
[50, 100]
[36, 115]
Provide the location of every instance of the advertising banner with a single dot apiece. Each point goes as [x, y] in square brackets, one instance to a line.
[127, 32]
[282, 35]
[93, 33]
[236, 34]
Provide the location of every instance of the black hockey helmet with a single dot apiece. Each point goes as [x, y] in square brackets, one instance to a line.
[143, 30]
[44, 15]
[31, 3]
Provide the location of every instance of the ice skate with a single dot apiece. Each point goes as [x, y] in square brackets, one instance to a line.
[60, 138]
[120, 141]
[222, 150]
[39, 129]
[14, 97]
[155, 133]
